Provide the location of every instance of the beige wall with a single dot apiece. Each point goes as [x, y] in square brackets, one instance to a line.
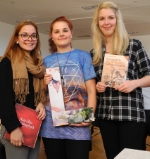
[86, 44]
[6, 31]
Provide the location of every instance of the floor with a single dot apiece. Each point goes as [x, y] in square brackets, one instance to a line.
[98, 151]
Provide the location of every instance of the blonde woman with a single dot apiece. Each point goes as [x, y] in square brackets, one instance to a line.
[120, 111]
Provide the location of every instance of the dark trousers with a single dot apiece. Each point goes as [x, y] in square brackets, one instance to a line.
[66, 149]
[118, 135]
[147, 112]
[147, 132]
[2, 151]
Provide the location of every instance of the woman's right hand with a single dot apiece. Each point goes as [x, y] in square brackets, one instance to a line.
[47, 78]
[16, 137]
[100, 87]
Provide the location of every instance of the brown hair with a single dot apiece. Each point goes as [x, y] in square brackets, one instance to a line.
[13, 49]
[52, 45]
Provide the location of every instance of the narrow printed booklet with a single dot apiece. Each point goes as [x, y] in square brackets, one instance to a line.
[67, 94]
[30, 125]
[114, 70]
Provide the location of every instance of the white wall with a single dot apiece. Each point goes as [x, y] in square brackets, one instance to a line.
[6, 32]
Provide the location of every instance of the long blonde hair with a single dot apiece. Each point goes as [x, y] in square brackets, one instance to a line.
[120, 37]
[13, 49]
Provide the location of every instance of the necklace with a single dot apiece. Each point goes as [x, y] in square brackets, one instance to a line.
[61, 71]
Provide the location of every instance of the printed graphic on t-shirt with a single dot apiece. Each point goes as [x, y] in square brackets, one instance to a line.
[67, 92]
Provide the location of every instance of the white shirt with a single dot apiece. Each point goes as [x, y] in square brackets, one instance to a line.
[56, 97]
[57, 101]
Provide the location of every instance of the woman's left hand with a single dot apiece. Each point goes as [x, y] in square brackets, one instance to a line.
[41, 110]
[127, 86]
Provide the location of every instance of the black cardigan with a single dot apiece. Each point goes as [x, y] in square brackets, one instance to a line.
[7, 96]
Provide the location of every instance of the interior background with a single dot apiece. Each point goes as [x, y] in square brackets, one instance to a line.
[136, 14]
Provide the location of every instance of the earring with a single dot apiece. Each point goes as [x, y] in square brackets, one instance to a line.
[17, 42]
[52, 39]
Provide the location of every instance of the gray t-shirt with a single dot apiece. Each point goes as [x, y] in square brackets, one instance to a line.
[146, 95]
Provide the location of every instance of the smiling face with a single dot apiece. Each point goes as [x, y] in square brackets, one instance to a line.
[107, 22]
[61, 34]
[28, 44]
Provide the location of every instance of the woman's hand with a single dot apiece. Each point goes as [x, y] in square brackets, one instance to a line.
[100, 87]
[127, 86]
[16, 137]
[47, 78]
[41, 110]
